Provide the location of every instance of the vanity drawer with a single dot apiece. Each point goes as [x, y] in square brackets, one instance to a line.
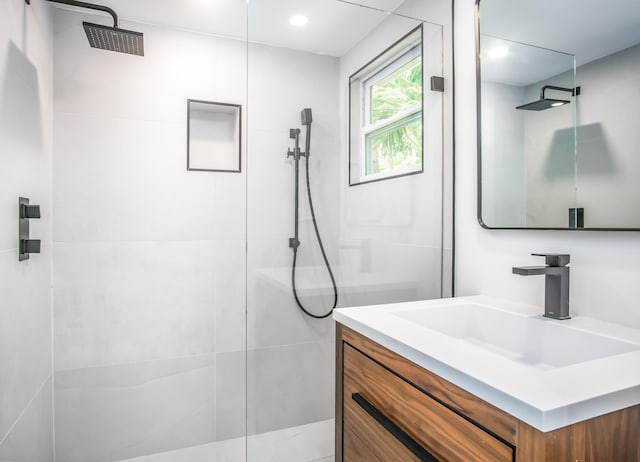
[382, 410]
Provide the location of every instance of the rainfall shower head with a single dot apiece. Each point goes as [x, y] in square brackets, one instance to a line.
[114, 39]
[547, 103]
[109, 38]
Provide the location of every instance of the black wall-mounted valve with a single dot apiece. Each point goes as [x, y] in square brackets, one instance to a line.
[27, 212]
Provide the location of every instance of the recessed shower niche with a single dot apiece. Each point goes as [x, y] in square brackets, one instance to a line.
[213, 136]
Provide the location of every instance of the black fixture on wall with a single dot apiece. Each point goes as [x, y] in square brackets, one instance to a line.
[26, 212]
[294, 242]
[547, 103]
[105, 37]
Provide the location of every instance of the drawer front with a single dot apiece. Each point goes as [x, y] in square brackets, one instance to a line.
[402, 413]
[356, 450]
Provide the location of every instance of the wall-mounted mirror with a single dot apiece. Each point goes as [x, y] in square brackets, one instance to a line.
[558, 111]
[213, 136]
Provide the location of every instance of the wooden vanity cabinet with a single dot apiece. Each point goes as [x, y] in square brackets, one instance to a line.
[389, 409]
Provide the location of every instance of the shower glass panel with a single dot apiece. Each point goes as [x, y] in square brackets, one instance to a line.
[383, 240]
[149, 258]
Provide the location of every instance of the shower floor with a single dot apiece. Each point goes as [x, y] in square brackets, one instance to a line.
[304, 443]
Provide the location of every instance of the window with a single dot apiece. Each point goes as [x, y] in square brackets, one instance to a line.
[386, 113]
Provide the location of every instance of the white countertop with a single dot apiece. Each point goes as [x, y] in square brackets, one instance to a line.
[546, 399]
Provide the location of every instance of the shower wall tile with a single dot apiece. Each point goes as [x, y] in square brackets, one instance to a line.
[176, 66]
[25, 287]
[117, 412]
[273, 318]
[301, 80]
[25, 331]
[119, 179]
[290, 385]
[120, 302]
[270, 196]
[231, 372]
[31, 440]
[25, 158]
[230, 295]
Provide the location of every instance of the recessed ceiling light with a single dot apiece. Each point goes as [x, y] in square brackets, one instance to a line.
[298, 20]
[497, 52]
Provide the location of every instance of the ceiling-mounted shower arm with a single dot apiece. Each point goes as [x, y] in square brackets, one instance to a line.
[90, 6]
[573, 91]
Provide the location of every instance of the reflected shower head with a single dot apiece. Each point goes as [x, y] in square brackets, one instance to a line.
[114, 39]
[547, 103]
[109, 38]
[543, 104]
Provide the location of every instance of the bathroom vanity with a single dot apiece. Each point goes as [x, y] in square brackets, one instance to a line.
[452, 391]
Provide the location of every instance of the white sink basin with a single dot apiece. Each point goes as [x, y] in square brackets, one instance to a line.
[532, 340]
[545, 372]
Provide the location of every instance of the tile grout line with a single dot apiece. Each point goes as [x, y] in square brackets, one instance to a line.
[24, 410]
[142, 361]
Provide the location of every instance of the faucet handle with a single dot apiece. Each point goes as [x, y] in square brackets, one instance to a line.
[554, 259]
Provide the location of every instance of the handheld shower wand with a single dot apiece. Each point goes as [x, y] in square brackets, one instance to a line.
[294, 242]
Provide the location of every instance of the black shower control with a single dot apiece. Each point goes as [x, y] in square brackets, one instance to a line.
[26, 244]
[29, 211]
[30, 246]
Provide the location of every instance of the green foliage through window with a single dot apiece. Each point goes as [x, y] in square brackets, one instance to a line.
[393, 132]
[386, 133]
[395, 146]
[398, 92]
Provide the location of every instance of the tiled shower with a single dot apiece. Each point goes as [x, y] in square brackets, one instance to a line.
[160, 309]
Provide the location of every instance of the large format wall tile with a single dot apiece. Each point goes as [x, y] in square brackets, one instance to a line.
[25, 331]
[129, 301]
[290, 385]
[231, 395]
[230, 295]
[31, 439]
[112, 413]
[26, 424]
[119, 179]
[273, 318]
[176, 66]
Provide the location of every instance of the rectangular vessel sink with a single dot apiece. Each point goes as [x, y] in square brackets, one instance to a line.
[532, 340]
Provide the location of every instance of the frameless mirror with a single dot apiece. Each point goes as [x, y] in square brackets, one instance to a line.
[213, 136]
[558, 104]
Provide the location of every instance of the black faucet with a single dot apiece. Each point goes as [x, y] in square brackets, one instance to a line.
[556, 283]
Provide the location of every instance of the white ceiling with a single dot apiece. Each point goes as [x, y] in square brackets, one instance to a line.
[334, 26]
[523, 64]
[589, 29]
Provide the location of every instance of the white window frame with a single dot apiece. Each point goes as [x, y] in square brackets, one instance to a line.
[408, 114]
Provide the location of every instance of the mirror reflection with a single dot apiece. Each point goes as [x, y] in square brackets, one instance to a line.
[558, 108]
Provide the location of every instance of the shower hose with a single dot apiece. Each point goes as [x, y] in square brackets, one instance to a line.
[296, 242]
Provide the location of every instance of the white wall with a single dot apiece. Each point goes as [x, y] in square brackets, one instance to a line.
[609, 140]
[26, 421]
[149, 258]
[604, 268]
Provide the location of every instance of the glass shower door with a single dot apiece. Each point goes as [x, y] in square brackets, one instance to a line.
[383, 239]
